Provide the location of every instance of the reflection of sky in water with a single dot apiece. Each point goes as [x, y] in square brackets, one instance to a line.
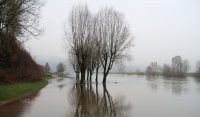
[139, 96]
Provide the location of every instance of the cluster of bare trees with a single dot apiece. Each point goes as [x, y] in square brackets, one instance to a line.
[198, 69]
[179, 65]
[178, 68]
[96, 41]
[153, 69]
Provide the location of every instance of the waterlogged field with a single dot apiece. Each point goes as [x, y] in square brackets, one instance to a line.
[123, 96]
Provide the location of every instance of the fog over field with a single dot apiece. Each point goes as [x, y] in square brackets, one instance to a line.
[162, 29]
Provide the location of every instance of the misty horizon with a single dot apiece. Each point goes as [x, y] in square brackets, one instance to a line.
[161, 30]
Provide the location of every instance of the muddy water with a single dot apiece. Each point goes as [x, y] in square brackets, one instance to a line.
[123, 96]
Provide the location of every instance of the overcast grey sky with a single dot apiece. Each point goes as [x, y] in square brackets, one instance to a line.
[161, 29]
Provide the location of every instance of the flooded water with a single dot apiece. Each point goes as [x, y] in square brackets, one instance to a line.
[123, 96]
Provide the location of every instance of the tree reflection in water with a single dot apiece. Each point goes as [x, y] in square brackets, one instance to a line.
[88, 102]
[177, 85]
[197, 81]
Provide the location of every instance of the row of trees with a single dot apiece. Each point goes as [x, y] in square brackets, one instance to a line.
[178, 68]
[60, 68]
[198, 68]
[96, 41]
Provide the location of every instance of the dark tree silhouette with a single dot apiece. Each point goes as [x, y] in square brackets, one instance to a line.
[18, 21]
[20, 17]
[60, 68]
[96, 40]
[79, 36]
[115, 36]
[47, 67]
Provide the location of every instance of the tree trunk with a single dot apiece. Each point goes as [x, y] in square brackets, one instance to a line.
[104, 78]
[105, 71]
[97, 72]
[78, 76]
[83, 76]
[88, 75]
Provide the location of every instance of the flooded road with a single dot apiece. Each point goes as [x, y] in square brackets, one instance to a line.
[123, 96]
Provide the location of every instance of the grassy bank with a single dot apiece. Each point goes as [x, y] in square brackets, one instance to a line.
[11, 91]
[48, 76]
[193, 74]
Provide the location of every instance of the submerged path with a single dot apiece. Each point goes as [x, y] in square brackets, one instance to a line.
[131, 96]
[51, 101]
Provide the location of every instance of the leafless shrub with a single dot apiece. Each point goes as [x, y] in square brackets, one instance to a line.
[178, 67]
[198, 67]
[153, 69]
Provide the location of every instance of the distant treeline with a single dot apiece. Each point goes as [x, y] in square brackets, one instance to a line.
[177, 68]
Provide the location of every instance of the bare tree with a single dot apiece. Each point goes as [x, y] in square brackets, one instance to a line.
[20, 17]
[153, 69]
[93, 49]
[114, 33]
[185, 66]
[79, 36]
[60, 68]
[179, 66]
[74, 62]
[198, 67]
[97, 44]
[149, 70]
[167, 70]
[47, 67]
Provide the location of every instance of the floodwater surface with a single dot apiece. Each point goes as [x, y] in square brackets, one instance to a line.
[123, 96]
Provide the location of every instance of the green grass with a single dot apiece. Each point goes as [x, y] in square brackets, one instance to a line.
[193, 74]
[48, 76]
[11, 91]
